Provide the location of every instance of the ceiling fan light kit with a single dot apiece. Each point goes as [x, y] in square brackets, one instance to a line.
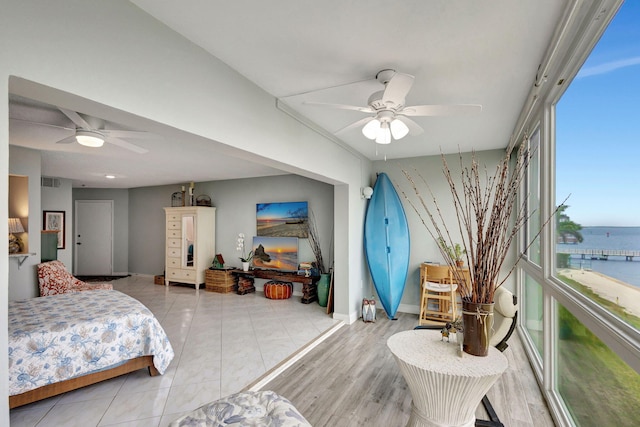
[89, 138]
[382, 131]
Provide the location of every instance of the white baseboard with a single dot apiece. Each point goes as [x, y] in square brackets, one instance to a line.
[409, 308]
[348, 319]
[151, 276]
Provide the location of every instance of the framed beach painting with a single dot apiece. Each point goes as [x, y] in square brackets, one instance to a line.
[288, 219]
[277, 253]
[54, 220]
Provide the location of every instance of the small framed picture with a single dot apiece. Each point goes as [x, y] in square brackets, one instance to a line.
[54, 220]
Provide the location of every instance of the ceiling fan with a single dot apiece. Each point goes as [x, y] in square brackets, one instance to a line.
[93, 136]
[390, 116]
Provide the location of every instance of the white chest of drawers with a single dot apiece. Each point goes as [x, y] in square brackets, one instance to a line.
[190, 243]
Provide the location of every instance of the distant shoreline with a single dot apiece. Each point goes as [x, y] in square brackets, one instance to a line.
[614, 290]
[283, 230]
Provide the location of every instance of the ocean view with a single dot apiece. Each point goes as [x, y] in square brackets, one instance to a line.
[622, 238]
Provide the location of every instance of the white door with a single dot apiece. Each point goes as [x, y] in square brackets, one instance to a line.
[93, 237]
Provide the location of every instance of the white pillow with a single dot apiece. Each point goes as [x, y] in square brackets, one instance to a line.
[504, 305]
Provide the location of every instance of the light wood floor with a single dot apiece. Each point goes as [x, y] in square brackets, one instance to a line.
[351, 379]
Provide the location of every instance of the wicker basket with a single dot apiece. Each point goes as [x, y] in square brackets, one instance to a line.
[220, 280]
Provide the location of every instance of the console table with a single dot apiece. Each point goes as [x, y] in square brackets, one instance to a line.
[445, 387]
[309, 284]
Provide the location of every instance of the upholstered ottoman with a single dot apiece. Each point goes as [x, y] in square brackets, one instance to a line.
[274, 289]
[258, 408]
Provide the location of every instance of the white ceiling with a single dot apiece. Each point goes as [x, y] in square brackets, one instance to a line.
[460, 52]
[169, 158]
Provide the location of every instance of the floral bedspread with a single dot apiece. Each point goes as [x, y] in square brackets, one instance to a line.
[58, 337]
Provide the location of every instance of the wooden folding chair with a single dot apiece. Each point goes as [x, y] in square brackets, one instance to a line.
[438, 295]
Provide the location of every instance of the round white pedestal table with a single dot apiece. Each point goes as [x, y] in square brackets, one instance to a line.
[446, 388]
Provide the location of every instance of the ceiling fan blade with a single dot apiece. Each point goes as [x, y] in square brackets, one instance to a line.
[354, 125]
[67, 140]
[116, 133]
[341, 106]
[441, 110]
[124, 144]
[76, 118]
[397, 88]
[40, 124]
[414, 128]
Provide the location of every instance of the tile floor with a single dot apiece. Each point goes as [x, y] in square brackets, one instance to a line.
[222, 343]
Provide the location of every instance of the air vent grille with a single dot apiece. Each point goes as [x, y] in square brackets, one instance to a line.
[46, 181]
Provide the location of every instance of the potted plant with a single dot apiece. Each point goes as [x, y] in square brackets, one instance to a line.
[454, 252]
[246, 257]
[488, 217]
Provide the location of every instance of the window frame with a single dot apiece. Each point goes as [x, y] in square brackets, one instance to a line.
[585, 22]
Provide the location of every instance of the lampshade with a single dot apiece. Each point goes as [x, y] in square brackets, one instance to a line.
[370, 130]
[15, 226]
[89, 138]
[384, 134]
[398, 129]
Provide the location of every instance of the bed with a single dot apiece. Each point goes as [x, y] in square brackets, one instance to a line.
[63, 342]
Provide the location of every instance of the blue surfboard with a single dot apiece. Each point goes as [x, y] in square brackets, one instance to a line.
[386, 244]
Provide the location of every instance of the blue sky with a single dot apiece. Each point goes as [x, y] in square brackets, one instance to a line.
[598, 129]
[284, 210]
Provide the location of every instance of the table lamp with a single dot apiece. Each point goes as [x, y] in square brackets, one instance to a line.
[15, 244]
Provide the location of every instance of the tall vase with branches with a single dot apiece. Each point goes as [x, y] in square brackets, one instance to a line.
[314, 242]
[488, 218]
[323, 283]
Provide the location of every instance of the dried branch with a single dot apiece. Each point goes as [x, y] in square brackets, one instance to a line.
[488, 218]
[314, 242]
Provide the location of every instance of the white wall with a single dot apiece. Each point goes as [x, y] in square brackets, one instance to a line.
[236, 209]
[23, 280]
[235, 202]
[117, 56]
[120, 199]
[59, 199]
[147, 228]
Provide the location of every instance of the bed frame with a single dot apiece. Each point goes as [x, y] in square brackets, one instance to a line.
[82, 381]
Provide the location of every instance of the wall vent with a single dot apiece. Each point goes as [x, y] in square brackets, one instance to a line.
[46, 181]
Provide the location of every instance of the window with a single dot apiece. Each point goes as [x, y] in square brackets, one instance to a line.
[532, 308]
[580, 282]
[597, 152]
[533, 200]
[597, 387]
